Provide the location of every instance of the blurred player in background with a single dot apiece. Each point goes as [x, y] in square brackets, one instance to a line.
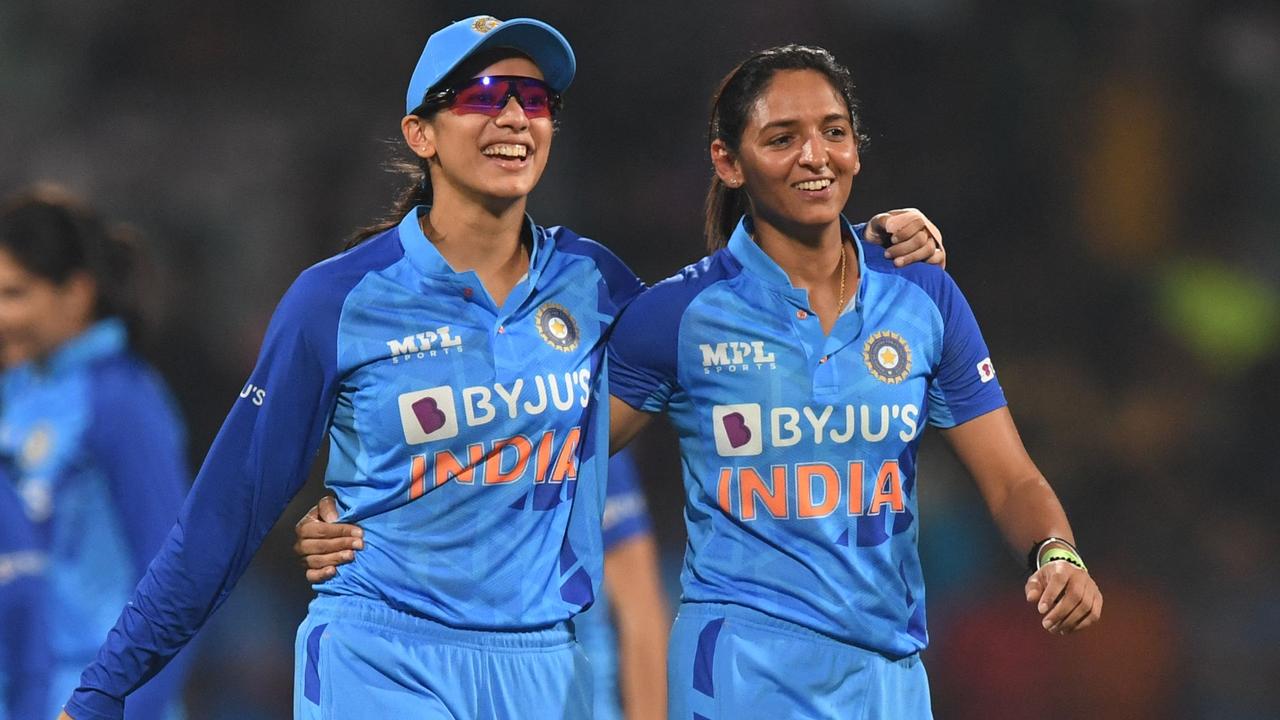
[25, 658]
[92, 440]
[798, 368]
[454, 357]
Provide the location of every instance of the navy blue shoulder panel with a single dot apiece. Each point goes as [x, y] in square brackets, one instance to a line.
[643, 348]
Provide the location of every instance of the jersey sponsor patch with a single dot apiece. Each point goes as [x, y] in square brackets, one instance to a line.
[986, 371]
[428, 415]
[887, 356]
[737, 429]
[557, 327]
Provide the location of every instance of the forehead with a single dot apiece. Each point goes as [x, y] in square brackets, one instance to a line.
[797, 95]
[513, 64]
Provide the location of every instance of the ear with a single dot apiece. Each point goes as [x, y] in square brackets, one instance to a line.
[419, 135]
[726, 164]
[80, 296]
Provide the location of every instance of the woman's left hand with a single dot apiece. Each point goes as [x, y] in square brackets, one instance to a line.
[1066, 596]
[907, 236]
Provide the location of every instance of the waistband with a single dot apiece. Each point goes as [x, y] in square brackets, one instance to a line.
[749, 616]
[380, 616]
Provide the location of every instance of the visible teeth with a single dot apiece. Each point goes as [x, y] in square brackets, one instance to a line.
[514, 151]
[813, 184]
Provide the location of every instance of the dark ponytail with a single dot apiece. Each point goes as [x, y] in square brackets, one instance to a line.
[53, 235]
[731, 109]
[417, 191]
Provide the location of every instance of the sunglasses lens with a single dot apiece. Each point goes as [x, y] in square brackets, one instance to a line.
[489, 95]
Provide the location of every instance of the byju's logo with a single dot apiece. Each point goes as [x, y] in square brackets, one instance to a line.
[736, 356]
[737, 429]
[428, 415]
[427, 343]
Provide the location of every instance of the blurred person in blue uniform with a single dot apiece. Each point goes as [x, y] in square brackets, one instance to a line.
[624, 634]
[25, 657]
[91, 438]
[799, 369]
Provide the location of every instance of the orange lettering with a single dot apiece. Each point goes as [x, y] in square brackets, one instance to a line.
[774, 495]
[544, 455]
[417, 473]
[806, 473]
[888, 489]
[855, 488]
[523, 449]
[567, 463]
[448, 467]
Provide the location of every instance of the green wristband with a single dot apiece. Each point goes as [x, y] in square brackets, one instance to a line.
[1058, 552]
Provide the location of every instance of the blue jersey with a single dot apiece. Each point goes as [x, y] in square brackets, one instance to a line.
[464, 438]
[626, 517]
[97, 450]
[25, 659]
[799, 448]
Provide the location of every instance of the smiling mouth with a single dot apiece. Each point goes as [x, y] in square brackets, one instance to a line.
[506, 151]
[822, 184]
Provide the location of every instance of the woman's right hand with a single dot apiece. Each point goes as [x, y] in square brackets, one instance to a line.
[323, 542]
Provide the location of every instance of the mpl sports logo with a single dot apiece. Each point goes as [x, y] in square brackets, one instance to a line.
[736, 356]
[425, 344]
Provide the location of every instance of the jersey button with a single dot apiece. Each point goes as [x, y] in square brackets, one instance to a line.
[823, 359]
[502, 329]
[467, 292]
[801, 315]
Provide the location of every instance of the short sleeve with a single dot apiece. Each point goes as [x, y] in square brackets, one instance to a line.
[642, 353]
[964, 385]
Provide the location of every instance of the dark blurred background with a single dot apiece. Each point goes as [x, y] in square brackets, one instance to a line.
[1106, 175]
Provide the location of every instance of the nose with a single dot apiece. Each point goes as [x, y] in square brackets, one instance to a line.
[813, 153]
[512, 116]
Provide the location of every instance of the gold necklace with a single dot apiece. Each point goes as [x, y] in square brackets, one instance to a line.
[840, 302]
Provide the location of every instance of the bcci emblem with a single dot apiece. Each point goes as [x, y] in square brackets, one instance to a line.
[557, 327]
[887, 357]
[485, 24]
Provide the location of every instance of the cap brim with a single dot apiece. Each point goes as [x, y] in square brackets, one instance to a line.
[542, 43]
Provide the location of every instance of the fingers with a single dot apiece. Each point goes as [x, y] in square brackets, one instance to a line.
[308, 547]
[332, 559]
[1070, 599]
[1034, 589]
[318, 576]
[328, 508]
[912, 238]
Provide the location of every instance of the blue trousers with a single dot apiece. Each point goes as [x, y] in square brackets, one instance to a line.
[358, 658]
[728, 662]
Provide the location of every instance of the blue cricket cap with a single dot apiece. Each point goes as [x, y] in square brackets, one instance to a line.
[449, 46]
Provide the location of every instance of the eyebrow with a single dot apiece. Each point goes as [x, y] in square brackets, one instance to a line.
[788, 122]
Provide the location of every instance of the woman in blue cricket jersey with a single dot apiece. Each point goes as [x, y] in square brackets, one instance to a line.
[798, 369]
[88, 432]
[454, 359]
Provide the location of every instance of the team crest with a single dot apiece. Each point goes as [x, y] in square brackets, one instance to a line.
[37, 445]
[557, 327]
[485, 24]
[888, 357]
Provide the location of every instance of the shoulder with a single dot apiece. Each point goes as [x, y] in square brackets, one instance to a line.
[674, 294]
[930, 280]
[125, 386]
[623, 283]
[334, 277]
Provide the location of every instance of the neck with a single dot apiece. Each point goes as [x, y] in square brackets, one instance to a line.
[484, 237]
[808, 255]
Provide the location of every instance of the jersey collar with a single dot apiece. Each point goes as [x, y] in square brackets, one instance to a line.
[103, 339]
[424, 256]
[758, 263]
